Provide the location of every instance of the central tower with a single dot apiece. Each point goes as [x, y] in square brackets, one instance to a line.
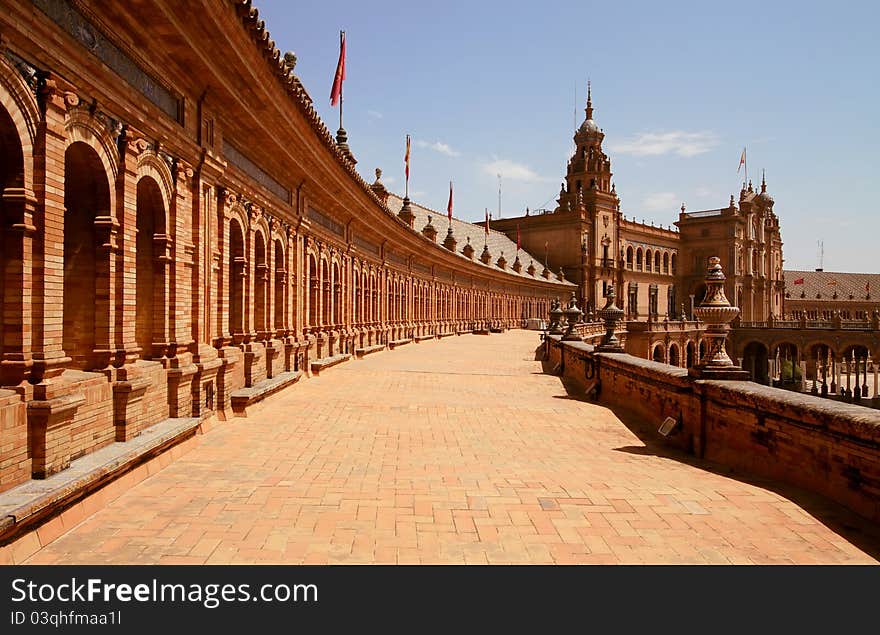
[589, 193]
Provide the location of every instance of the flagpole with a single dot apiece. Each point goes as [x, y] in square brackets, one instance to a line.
[341, 37]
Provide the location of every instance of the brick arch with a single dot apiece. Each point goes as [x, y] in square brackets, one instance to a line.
[775, 343]
[279, 278]
[259, 265]
[674, 354]
[19, 101]
[83, 128]
[149, 164]
[658, 349]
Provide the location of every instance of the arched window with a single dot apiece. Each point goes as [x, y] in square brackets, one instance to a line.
[629, 258]
[149, 274]
[280, 286]
[261, 274]
[639, 259]
[237, 273]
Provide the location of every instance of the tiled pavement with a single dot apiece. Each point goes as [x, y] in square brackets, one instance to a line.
[456, 451]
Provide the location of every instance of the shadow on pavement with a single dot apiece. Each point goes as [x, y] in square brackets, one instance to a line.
[856, 529]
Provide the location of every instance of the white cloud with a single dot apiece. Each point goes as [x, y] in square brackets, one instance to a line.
[660, 202]
[438, 146]
[388, 180]
[417, 194]
[375, 114]
[511, 170]
[684, 144]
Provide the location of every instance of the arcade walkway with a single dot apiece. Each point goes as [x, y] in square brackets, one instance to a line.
[452, 451]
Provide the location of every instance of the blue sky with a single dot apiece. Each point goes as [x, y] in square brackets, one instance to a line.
[678, 87]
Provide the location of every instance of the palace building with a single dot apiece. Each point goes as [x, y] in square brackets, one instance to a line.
[182, 236]
[658, 272]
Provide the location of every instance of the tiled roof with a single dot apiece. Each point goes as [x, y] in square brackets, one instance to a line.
[821, 285]
[462, 230]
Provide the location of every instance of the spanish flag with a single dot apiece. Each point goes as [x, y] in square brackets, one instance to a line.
[449, 204]
[336, 92]
[406, 159]
[742, 160]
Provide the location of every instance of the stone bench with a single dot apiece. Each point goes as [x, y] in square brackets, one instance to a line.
[497, 329]
[25, 506]
[422, 338]
[244, 397]
[481, 331]
[322, 364]
[449, 334]
[366, 350]
[395, 343]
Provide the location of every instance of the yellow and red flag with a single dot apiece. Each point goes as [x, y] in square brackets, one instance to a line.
[742, 160]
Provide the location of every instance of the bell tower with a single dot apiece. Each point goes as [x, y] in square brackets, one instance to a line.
[589, 193]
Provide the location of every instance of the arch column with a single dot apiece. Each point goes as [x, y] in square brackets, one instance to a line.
[49, 356]
[17, 232]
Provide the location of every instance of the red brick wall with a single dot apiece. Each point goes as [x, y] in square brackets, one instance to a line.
[15, 462]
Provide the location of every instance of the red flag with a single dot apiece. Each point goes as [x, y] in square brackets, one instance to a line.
[517, 237]
[742, 160]
[799, 281]
[406, 158]
[336, 92]
[449, 204]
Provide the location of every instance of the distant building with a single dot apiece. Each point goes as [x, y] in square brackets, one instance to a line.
[658, 272]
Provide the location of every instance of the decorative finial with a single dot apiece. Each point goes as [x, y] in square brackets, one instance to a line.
[589, 108]
[378, 173]
[682, 208]
[290, 60]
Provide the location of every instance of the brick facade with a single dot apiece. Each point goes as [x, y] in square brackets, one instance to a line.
[178, 226]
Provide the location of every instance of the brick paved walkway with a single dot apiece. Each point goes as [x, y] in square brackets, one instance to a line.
[457, 451]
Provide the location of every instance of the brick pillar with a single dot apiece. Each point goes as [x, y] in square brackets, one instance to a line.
[116, 236]
[107, 289]
[48, 246]
[185, 289]
[16, 241]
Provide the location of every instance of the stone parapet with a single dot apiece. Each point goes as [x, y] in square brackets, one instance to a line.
[830, 448]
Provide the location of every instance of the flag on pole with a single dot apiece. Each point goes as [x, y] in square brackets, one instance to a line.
[406, 159]
[517, 238]
[336, 92]
[799, 281]
[742, 160]
[449, 204]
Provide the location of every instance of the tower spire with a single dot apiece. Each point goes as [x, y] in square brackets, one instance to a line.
[589, 108]
[763, 182]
